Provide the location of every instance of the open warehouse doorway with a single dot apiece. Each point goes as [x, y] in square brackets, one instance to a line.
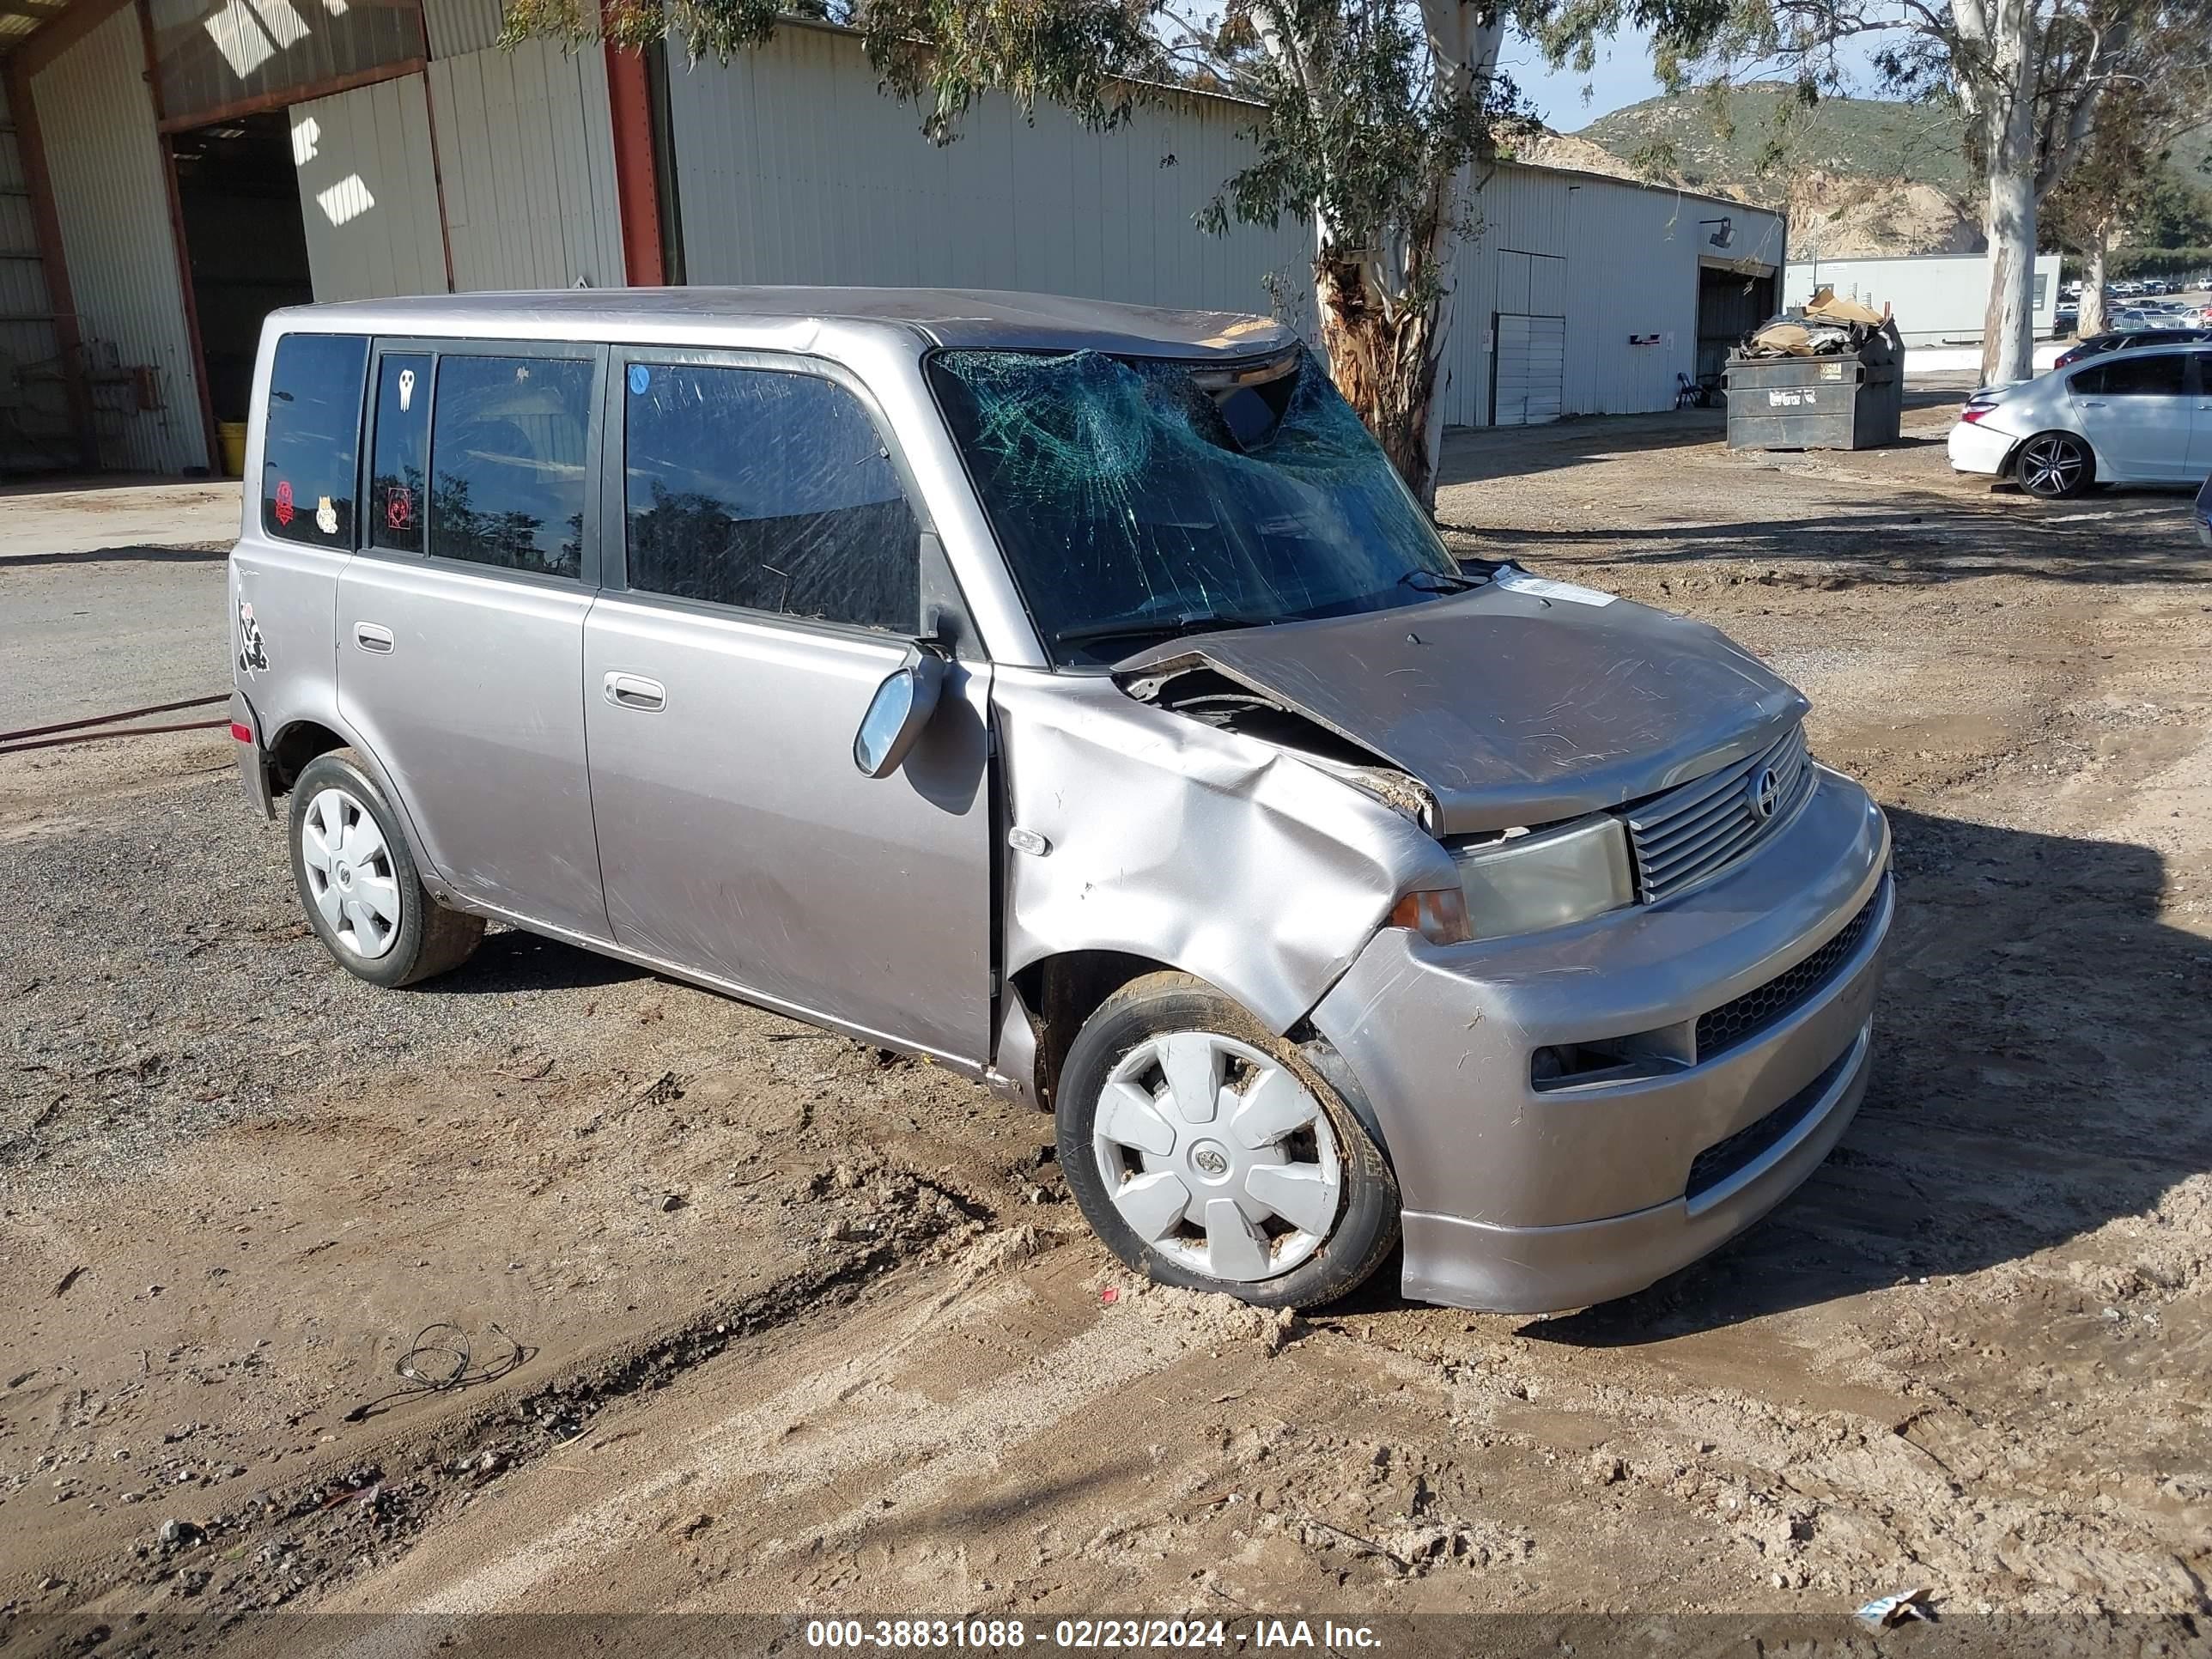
[238, 198]
[1730, 304]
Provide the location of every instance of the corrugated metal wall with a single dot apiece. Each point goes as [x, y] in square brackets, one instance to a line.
[35, 425]
[369, 191]
[458, 26]
[1617, 260]
[96, 116]
[526, 151]
[213, 54]
[793, 168]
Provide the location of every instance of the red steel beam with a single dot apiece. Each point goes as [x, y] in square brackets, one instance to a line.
[637, 186]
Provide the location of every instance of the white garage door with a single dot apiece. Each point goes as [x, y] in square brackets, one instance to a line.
[1530, 366]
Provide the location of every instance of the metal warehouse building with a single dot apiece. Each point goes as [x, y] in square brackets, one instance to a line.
[174, 169]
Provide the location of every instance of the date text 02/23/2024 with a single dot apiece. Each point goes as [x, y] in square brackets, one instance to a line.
[1088, 1634]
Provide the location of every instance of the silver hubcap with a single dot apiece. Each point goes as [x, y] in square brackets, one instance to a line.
[349, 873]
[2050, 467]
[1217, 1157]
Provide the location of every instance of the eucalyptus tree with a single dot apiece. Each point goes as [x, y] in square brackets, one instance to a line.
[2031, 77]
[2127, 176]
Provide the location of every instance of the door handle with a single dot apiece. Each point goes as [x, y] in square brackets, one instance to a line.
[634, 691]
[2093, 403]
[371, 637]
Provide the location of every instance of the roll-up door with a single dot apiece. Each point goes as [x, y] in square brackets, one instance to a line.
[1530, 367]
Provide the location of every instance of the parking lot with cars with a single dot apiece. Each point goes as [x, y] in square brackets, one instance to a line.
[744, 1316]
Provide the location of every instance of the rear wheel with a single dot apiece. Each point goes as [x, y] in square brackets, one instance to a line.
[2055, 465]
[357, 879]
[1205, 1152]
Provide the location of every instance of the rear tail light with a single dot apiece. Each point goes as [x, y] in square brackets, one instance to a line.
[2063, 358]
[1973, 412]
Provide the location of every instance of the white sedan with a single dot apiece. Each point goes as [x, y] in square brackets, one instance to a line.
[2141, 417]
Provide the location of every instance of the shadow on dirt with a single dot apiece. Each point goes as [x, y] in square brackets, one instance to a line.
[2136, 536]
[510, 960]
[212, 554]
[1473, 454]
[2044, 1053]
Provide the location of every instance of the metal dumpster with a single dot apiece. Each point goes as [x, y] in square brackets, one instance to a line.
[1841, 400]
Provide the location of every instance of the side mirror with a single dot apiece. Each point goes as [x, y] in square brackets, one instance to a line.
[897, 714]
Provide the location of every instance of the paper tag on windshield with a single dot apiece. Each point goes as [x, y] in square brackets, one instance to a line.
[1543, 587]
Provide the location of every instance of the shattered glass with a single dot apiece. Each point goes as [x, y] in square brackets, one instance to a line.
[1134, 501]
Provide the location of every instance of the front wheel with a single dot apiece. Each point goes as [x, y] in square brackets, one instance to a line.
[357, 879]
[1205, 1152]
[2055, 465]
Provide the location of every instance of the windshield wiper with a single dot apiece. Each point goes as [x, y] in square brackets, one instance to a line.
[1188, 622]
[1435, 581]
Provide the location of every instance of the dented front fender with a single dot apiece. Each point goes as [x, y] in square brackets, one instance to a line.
[1164, 837]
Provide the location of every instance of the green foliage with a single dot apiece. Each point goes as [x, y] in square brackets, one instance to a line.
[1362, 154]
[2160, 261]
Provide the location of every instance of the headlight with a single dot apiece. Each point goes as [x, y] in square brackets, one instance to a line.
[1547, 879]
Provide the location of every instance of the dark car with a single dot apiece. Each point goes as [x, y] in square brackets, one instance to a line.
[2130, 341]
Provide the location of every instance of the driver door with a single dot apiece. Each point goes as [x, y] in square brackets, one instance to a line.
[768, 583]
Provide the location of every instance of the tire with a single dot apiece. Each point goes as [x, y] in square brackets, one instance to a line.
[2055, 466]
[1128, 1147]
[353, 867]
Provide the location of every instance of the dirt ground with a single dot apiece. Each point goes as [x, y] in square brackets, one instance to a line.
[755, 1320]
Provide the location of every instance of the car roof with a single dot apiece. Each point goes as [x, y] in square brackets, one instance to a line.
[950, 317]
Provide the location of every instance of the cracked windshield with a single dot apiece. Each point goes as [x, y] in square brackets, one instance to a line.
[1136, 501]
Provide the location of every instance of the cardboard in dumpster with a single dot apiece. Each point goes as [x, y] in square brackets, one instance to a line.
[1824, 305]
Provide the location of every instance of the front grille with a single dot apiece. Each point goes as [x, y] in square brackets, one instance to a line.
[1754, 1140]
[1733, 1022]
[1696, 830]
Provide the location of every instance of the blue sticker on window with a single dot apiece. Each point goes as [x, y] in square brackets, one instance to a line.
[640, 378]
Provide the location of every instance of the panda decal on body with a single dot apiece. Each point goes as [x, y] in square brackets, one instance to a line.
[252, 658]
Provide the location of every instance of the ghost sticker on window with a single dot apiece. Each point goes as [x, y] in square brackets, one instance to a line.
[326, 516]
[406, 389]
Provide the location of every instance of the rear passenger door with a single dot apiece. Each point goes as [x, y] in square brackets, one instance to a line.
[2136, 408]
[771, 580]
[461, 625]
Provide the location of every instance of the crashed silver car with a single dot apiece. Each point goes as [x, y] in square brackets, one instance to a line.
[1069, 693]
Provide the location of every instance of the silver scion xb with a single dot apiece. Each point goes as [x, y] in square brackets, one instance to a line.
[1069, 693]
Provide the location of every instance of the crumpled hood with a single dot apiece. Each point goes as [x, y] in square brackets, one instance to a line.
[1521, 702]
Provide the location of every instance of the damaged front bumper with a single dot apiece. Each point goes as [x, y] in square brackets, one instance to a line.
[1744, 1011]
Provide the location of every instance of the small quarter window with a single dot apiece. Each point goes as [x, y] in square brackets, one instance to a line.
[508, 447]
[768, 489]
[400, 458]
[311, 439]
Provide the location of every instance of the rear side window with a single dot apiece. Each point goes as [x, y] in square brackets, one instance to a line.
[400, 461]
[508, 444]
[2139, 374]
[312, 438]
[768, 489]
